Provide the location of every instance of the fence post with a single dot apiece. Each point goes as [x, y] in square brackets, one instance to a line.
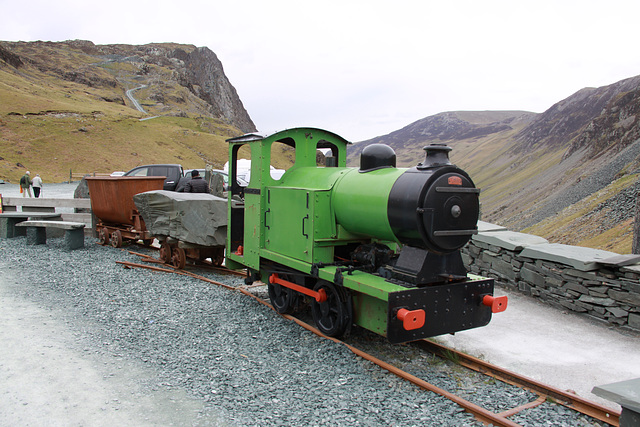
[70, 176]
[635, 249]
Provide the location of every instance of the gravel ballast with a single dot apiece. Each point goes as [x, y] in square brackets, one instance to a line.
[244, 362]
[211, 356]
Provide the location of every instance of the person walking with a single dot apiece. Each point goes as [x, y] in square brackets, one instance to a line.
[25, 184]
[197, 184]
[37, 185]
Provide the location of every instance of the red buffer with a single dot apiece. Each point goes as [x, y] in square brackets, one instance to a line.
[497, 304]
[411, 320]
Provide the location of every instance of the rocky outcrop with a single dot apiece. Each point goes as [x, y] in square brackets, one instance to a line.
[585, 117]
[172, 71]
[616, 127]
[205, 78]
[10, 58]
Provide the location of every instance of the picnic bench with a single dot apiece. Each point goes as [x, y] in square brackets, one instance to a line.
[37, 235]
[8, 221]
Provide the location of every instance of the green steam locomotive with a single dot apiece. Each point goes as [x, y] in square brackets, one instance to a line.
[375, 246]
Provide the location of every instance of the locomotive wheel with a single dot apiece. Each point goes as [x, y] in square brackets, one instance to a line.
[218, 257]
[103, 236]
[178, 258]
[165, 253]
[283, 299]
[332, 317]
[116, 239]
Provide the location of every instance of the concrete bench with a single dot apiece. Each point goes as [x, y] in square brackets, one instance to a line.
[9, 220]
[36, 232]
[627, 395]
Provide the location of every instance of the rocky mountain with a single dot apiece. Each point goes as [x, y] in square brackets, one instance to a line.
[95, 98]
[569, 174]
[164, 67]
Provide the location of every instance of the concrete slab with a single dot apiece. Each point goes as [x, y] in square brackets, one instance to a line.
[509, 240]
[583, 259]
[560, 348]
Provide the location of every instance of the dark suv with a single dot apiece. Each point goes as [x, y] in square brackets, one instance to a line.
[172, 174]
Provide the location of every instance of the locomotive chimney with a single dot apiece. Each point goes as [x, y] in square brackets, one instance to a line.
[436, 155]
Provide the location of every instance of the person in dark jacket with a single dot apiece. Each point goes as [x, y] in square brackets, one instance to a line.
[197, 184]
[25, 184]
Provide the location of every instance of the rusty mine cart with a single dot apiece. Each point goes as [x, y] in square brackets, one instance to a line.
[112, 204]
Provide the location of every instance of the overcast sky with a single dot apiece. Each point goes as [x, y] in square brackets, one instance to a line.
[363, 68]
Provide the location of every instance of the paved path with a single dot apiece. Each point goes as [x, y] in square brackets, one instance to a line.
[562, 349]
[48, 379]
[135, 102]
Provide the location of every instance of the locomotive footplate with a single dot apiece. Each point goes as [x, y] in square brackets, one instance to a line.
[438, 309]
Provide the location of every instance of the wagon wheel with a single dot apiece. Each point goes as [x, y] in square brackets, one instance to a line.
[116, 239]
[165, 252]
[334, 316]
[178, 258]
[218, 257]
[283, 299]
[103, 236]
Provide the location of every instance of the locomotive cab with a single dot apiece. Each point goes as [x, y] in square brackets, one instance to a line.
[284, 201]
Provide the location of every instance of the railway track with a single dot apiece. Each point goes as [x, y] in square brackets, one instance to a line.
[543, 392]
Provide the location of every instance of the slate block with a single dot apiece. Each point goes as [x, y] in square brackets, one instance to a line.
[195, 218]
[624, 393]
[582, 259]
[509, 240]
[487, 226]
[621, 260]
[74, 239]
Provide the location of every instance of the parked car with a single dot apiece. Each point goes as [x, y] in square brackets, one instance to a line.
[171, 172]
[187, 177]
[225, 176]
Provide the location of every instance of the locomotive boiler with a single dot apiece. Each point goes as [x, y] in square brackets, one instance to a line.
[376, 246]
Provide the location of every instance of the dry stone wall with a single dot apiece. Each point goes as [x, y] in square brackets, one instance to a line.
[600, 284]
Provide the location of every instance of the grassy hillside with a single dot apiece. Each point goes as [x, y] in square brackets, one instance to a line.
[63, 110]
